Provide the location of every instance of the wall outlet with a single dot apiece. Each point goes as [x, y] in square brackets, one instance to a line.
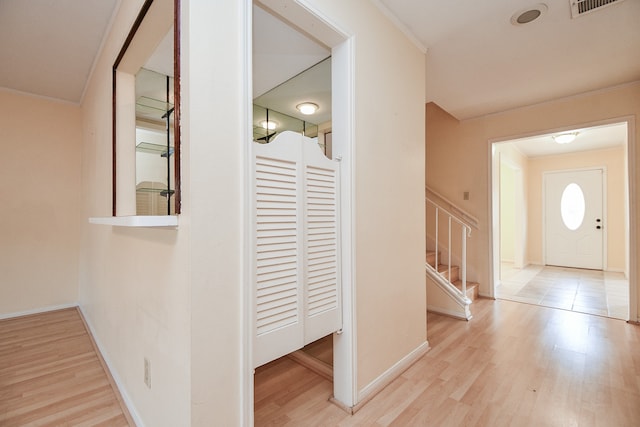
[465, 195]
[147, 372]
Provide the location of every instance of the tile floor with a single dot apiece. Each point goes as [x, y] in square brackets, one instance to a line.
[585, 291]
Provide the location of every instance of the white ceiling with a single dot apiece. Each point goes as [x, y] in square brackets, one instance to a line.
[477, 61]
[592, 138]
[48, 47]
[480, 63]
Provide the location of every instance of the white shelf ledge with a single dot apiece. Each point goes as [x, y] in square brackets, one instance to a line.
[160, 221]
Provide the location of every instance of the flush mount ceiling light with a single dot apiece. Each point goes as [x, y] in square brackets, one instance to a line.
[307, 108]
[565, 138]
[529, 14]
[270, 125]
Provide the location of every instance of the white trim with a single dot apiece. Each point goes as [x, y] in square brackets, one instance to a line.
[334, 32]
[42, 97]
[114, 374]
[307, 18]
[632, 196]
[457, 212]
[345, 367]
[454, 293]
[493, 232]
[400, 25]
[446, 312]
[378, 384]
[563, 99]
[247, 371]
[38, 310]
[633, 217]
[158, 221]
[103, 42]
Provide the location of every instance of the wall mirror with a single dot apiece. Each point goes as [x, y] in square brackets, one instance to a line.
[146, 114]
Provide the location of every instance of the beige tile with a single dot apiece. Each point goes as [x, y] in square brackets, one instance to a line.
[586, 291]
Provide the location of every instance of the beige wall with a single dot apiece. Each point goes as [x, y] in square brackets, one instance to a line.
[613, 161]
[40, 193]
[134, 283]
[175, 296]
[389, 194]
[507, 213]
[458, 157]
[216, 140]
[514, 231]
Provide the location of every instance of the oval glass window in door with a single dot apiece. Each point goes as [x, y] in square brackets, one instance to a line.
[572, 206]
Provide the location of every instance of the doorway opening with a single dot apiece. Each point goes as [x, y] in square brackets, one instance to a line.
[546, 250]
[292, 49]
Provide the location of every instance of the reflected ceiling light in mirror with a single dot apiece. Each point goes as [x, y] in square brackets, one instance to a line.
[307, 108]
[565, 138]
[270, 125]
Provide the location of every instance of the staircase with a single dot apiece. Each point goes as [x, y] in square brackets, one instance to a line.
[472, 287]
[448, 229]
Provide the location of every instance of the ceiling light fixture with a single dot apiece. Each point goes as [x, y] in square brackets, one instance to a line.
[307, 108]
[270, 125]
[529, 14]
[565, 138]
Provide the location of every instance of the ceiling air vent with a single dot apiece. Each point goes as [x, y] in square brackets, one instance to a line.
[580, 7]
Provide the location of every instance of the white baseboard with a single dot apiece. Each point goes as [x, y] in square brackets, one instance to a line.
[446, 312]
[376, 386]
[38, 310]
[114, 374]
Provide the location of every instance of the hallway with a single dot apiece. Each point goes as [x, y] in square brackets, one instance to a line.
[586, 291]
[512, 364]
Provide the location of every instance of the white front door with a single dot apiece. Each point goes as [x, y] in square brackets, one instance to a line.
[573, 219]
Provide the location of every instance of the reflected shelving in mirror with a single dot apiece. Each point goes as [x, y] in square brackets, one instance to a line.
[146, 99]
[154, 96]
[154, 142]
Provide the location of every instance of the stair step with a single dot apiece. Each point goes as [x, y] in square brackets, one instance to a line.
[472, 289]
[455, 272]
[431, 258]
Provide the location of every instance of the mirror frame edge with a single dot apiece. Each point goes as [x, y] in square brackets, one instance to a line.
[176, 89]
[177, 137]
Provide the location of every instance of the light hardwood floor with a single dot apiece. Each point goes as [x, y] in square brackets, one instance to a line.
[513, 364]
[51, 375]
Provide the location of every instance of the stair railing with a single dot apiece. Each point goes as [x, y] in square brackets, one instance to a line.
[465, 233]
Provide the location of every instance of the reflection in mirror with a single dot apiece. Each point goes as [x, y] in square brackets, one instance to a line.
[146, 115]
[269, 123]
[276, 110]
[154, 143]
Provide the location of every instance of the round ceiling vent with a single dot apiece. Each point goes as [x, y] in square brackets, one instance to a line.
[528, 14]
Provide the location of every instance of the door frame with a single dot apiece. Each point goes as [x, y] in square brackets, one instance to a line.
[605, 263]
[342, 45]
[632, 204]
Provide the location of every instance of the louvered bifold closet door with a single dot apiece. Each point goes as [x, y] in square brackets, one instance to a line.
[278, 250]
[323, 311]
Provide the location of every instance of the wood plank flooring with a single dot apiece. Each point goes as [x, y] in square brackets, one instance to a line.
[513, 364]
[51, 375]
